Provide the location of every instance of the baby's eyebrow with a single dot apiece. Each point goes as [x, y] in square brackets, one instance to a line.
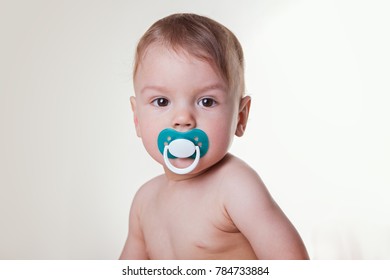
[162, 89]
[155, 88]
[217, 86]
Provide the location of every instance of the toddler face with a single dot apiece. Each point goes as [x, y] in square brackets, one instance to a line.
[178, 91]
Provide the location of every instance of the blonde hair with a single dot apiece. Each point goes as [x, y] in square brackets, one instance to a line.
[202, 38]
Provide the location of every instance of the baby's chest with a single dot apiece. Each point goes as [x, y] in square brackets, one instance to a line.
[186, 230]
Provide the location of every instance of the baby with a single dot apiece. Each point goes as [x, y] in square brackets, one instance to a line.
[189, 103]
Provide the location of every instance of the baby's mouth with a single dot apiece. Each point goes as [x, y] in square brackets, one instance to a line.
[182, 146]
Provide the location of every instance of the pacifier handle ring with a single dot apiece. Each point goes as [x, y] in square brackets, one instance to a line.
[185, 170]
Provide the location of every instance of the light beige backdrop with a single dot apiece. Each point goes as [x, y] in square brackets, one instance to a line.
[318, 134]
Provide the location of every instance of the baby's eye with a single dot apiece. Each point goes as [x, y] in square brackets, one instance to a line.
[160, 102]
[207, 102]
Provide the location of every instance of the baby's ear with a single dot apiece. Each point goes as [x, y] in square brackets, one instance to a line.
[243, 114]
[134, 108]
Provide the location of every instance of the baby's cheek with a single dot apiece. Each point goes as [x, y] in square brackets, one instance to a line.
[220, 138]
[218, 147]
[150, 143]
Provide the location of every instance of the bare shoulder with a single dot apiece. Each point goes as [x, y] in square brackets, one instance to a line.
[241, 179]
[237, 167]
[256, 215]
[243, 187]
[147, 191]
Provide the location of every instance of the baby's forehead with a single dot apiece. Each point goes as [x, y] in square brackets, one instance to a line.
[157, 52]
[177, 52]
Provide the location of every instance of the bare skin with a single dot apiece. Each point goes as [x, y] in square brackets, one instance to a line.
[220, 210]
[212, 216]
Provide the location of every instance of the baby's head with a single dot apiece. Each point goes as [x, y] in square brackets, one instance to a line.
[189, 87]
[202, 38]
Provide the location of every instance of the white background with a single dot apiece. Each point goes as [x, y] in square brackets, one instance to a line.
[318, 134]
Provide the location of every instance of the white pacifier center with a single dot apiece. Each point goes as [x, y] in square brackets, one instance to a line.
[181, 148]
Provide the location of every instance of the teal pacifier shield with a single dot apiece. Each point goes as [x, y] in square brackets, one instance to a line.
[196, 136]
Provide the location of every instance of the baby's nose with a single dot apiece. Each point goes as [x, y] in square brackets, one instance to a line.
[184, 119]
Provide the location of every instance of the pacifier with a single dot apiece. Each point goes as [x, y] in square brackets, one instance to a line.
[190, 144]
